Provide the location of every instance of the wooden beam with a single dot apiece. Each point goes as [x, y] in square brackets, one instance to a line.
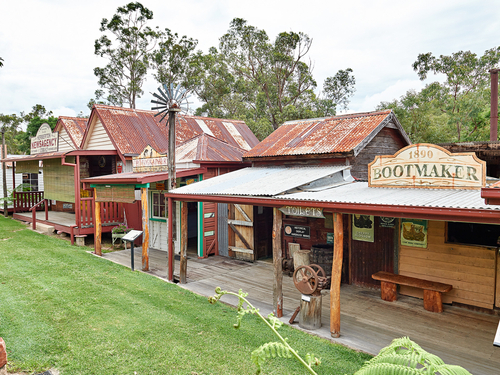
[170, 241]
[277, 263]
[145, 229]
[184, 240]
[97, 226]
[338, 250]
[242, 212]
[237, 232]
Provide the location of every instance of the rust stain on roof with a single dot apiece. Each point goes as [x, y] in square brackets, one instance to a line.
[75, 127]
[207, 148]
[339, 134]
[131, 130]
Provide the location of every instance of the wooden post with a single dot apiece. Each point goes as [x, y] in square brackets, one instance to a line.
[277, 264]
[338, 250]
[97, 225]
[170, 242]
[145, 229]
[184, 240]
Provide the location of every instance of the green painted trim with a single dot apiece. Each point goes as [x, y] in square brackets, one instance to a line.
[200, 224]
[143, 185]
[155, 219]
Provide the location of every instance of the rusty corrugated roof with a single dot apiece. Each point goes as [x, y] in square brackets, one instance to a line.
[131, 130]
[207, 148]
[75, 127]
[332, 135]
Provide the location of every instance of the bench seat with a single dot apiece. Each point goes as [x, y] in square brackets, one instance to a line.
[433, 300]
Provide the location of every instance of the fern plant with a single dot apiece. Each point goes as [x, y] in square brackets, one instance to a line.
[268, 350]
[405, 357]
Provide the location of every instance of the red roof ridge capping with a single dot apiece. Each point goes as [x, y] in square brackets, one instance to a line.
[339, 117]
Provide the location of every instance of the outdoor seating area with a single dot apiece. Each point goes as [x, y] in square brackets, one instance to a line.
[368, 322]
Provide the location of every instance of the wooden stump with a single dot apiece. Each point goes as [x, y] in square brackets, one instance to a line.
[388, 291]
[433, 301]
[3, 353]
[310, 312]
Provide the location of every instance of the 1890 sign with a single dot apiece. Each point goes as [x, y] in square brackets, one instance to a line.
[298, 231]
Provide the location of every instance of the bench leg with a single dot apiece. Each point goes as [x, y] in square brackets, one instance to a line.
[433, 301]
[388, 291]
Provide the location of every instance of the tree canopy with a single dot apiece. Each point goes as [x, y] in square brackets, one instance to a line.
[454, 110]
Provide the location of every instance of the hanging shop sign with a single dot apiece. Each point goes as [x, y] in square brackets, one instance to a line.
[429, 166]
[45, 140]
[303, 211]
[414, 232]
[297, 231]
[150, 161]
[363, 228]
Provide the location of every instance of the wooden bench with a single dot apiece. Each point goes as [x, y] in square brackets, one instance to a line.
[433, 300]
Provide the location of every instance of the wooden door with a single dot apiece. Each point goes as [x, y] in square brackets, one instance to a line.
[368, 258]
[209, 229]
[241, 240]
[263, 232]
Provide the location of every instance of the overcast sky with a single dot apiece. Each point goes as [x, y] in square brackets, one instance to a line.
[48, 45]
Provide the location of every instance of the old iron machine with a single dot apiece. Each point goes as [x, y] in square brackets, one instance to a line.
[310, 281]
[171, 101]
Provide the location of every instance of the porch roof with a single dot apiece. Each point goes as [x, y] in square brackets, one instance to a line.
[58, 154]
[140, 177]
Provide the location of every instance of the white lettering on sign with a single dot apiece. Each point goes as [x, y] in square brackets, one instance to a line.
[303, 211]
[427, 165]
[45, 140]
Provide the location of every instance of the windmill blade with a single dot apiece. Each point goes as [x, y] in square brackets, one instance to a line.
[177, 90]
[165, 115]
[159, 102]
[162, 94]
[167, 91]
[159, 97]
[162, 108]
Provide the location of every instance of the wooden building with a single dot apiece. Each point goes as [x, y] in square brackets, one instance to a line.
[433, 226]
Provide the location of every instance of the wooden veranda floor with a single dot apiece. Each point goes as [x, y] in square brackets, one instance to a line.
[61, 218]
[459, 336]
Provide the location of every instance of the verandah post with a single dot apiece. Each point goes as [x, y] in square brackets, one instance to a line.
[338, 250]
[170, 241]
[184, 240]
[145, 230]
[277, 263]
[97, 225]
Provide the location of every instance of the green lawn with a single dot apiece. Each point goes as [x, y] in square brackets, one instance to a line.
[64, 308]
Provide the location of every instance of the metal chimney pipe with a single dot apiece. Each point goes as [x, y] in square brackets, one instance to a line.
[494, 105]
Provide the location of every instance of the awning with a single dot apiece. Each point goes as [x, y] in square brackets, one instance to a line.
[139, 178]
[270, 181]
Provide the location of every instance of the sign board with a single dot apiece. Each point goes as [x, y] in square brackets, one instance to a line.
[414, 233]
[303, 211]
[330, 238]
[428, 166]
[150, 161]
[45, 140]
[387, 222]
[297, 231]
[363, 228]
[132, 235]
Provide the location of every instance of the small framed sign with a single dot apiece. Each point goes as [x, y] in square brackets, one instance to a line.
[297, 231]
[132, 235]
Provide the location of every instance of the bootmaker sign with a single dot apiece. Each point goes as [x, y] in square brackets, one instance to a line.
[427, 165]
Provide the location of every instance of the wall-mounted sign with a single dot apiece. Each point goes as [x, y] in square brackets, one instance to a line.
[303, 211]
[150, 161]
[160, 186]
[414, 232]
[387, 222]
[363, 228]
[430, 166]
[297, 231]
[330, 238]
[45, 140]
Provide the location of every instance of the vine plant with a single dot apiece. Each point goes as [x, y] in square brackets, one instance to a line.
[270, 349]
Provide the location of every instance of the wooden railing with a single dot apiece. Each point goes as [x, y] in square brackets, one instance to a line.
[43, 203]
[25, 200]
[111, 212]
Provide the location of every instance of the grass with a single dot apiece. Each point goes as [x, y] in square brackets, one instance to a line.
[61, 307]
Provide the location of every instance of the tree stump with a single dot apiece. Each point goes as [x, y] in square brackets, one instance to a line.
[3, 357]
[310, 311]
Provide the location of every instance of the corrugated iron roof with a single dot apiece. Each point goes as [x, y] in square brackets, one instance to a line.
[207, 148]
[332, 135]
[131, 130]
[261, 181]
[75, 127]
[137, 177]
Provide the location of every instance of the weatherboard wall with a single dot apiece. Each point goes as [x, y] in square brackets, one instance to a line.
[469, 269]
[99, 139]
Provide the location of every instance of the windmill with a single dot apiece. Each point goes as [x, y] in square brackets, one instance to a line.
[170, 101]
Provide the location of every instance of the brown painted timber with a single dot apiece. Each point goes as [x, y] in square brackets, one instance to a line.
[433, 299]
[277, 263]
[338, 252]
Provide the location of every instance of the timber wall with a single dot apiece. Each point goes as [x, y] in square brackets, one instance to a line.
[470, 269]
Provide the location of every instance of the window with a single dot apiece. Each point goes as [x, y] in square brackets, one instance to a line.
[158, 205]
[32, 180]
[473, 234]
